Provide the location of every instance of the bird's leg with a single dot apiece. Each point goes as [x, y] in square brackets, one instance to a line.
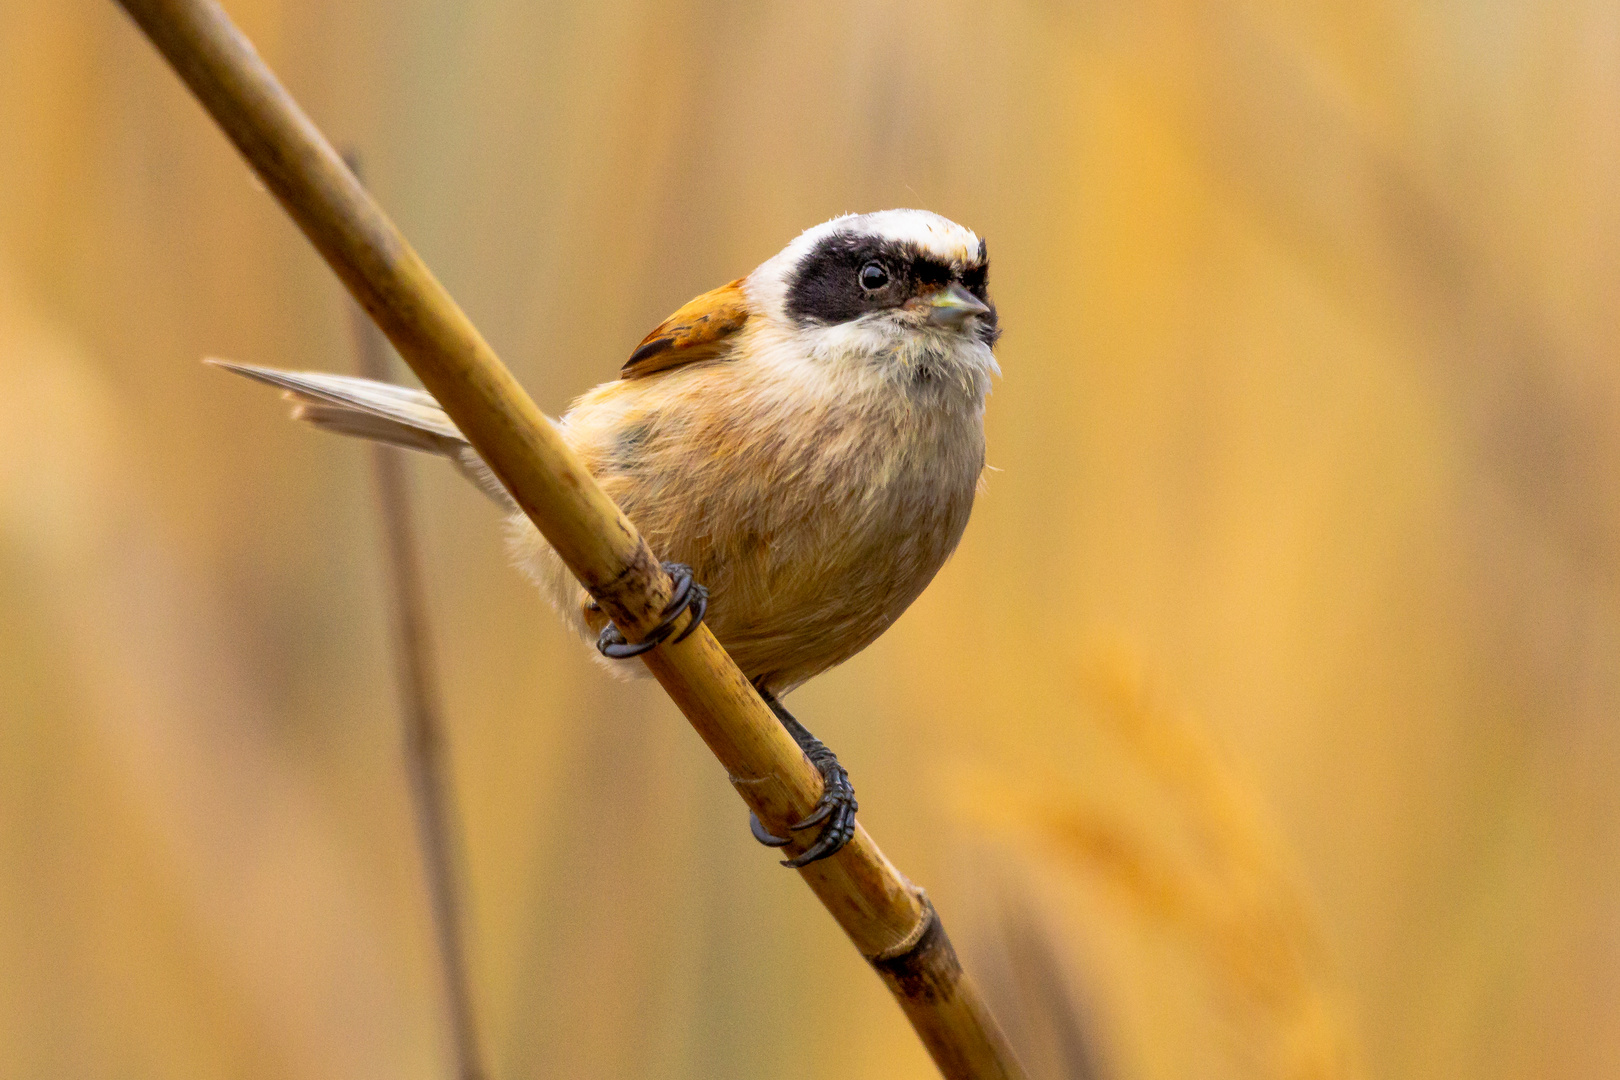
[837, 806]
[687, 593]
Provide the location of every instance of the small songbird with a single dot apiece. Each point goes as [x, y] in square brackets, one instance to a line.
[805, 442]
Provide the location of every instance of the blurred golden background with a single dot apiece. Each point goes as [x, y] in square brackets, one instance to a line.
[1263, 726]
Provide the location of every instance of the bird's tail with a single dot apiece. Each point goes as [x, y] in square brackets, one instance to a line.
[381, 412]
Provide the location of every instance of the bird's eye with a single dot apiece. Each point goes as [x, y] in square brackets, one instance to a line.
[874, 275]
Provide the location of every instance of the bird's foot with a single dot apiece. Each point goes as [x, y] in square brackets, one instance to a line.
[686, 594]
[835, 811]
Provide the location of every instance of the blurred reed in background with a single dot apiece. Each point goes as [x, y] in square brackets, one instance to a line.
[1309, 415]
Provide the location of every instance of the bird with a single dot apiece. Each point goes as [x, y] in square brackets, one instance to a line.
[803, 446]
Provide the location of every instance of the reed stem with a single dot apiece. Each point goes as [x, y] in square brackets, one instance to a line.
[889, 919]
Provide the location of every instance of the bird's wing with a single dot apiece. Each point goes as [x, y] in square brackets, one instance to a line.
[701, 330]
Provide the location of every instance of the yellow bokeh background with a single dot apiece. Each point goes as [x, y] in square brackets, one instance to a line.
[1264, 725]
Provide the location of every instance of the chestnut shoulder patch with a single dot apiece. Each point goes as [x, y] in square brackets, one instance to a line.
[702, 329]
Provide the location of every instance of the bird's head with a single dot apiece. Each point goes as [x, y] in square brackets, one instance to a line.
[901, 287]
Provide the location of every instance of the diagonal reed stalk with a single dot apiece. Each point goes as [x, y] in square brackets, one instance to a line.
[889, 919]
[422, 713]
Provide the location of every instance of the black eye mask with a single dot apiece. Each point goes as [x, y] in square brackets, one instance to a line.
[831, 284]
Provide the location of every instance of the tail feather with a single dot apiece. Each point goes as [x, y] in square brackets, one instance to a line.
[380, 412]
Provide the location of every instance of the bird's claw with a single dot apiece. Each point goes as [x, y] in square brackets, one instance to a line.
[836, 808]
[769, 839]
[687, 593]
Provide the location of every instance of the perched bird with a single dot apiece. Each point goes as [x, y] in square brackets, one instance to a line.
[805, 442]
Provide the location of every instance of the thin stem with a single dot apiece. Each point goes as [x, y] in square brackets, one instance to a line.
[422, 714]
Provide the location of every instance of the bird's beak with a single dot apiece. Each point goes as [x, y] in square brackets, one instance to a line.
[952, 306]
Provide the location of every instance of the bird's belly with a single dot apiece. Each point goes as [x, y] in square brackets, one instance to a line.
[809, 573]
[814, 525]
